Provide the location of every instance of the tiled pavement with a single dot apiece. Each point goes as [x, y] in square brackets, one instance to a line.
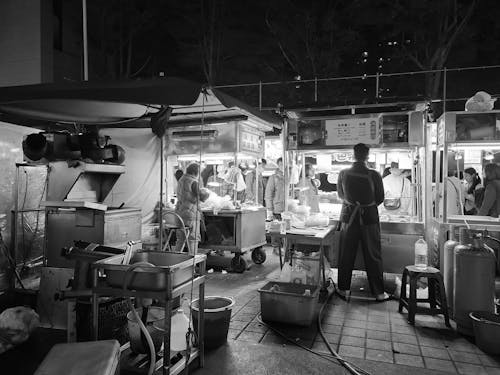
[373, 331]
[357, 330]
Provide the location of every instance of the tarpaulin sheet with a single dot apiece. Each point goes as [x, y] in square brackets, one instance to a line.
[139, 186]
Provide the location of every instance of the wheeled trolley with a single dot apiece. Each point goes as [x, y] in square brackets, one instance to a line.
[237, 231]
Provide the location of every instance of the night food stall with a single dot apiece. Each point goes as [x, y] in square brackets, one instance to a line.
[230, 132]
[460, 140]
[395, 133]
[77, 188]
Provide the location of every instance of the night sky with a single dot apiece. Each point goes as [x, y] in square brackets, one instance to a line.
[228, 42]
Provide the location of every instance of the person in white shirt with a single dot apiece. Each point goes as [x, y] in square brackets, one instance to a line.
[397, 186]
[455, 195]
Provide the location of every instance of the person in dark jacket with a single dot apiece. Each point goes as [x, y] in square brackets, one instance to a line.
[361, 190]
[491, 202]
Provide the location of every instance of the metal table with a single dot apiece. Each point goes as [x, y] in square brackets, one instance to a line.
[101, 288]
[322, 236]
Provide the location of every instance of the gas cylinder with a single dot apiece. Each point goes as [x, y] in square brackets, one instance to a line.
[448, 265]
[474, 281]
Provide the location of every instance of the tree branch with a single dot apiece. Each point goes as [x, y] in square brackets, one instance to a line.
[282, 49]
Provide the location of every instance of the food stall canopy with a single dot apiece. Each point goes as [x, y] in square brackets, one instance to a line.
[123, 104]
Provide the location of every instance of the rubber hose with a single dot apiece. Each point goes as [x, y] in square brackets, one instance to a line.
[143, 328]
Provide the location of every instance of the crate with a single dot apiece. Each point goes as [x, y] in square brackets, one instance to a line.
[288, 303]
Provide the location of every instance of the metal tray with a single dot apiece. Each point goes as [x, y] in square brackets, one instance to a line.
[170, 271]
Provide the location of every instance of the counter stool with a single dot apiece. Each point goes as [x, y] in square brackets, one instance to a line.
[434, 280]
[171, 223]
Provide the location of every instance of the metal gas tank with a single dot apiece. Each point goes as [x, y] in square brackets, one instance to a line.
[448, 267]
[474, 282]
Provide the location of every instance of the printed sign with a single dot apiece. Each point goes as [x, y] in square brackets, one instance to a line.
[350, 131]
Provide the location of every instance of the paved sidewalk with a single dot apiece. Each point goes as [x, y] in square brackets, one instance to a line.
[361, 330]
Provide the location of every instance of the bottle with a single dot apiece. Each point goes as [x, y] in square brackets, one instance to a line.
[179, 327]
[421, 253]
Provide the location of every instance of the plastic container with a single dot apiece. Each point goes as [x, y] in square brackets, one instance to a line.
[81, 358]
[150, 236]
[217, 317]
[179, 327]
[421, 253]
[289, 303]
[486, 331]
[156, 316]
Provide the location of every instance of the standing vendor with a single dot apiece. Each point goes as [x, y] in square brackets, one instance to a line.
[251, 194]
[188, 196]
[275, 193]
[397, 190]
[234, 178]
[361, 191]
[308, 189]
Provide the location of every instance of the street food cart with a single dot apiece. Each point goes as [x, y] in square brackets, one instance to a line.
[229, 132]
[460, 140]
[395, 133]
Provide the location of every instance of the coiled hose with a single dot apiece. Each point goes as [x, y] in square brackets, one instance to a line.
[143, 328]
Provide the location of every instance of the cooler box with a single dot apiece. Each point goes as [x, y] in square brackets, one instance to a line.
[83, 358]
[289, 303]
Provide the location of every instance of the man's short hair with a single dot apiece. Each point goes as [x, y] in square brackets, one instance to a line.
[394, 164]
[280, 160]
[361, 152]
[193, 169]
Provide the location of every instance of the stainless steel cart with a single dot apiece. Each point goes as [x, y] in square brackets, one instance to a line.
[172, 276]
[237, 231]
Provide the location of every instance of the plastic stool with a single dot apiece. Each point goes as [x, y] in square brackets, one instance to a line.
[435, 280]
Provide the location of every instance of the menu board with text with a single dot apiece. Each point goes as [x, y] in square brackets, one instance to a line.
[350, 131]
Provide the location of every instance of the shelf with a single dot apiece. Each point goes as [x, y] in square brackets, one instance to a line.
[74, 204]
[119, 292]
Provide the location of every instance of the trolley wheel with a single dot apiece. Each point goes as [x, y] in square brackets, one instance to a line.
[238, 264]
[258, 255]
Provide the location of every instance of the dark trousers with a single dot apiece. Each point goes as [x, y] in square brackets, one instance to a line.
[369, 235]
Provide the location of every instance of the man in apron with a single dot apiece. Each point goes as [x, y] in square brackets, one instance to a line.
[361, 191]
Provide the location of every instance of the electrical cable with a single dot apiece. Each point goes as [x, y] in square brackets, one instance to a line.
[197, 228]
[325, 356]
[353, 369]
[11, 261]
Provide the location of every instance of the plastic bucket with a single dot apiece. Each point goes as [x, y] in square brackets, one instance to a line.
[156, 316]
[486, 331]
[217, 317]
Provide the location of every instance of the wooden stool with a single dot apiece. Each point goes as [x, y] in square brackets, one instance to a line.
[435, 280]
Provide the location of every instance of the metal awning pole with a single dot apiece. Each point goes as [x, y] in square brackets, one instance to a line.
[85, 42]
[161, 195]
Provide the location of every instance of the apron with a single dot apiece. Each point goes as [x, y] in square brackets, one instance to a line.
[358, 207]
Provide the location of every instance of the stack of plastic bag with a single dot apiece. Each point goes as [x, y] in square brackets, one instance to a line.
[215, 202]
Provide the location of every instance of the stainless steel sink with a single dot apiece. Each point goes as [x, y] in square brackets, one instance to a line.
[167, 270]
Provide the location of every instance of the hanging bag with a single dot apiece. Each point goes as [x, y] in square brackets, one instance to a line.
[392, 204]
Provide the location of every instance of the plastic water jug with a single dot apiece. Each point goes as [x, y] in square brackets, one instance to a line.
[421, 253]
[179, 328]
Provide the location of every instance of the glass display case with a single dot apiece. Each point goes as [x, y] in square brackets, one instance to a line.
[393, 138]
[462, 140]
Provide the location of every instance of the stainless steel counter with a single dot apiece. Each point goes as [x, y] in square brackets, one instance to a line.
[397, 240]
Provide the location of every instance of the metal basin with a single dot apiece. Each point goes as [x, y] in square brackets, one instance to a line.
[170, 270]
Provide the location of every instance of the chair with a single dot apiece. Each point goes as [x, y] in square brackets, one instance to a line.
[171, 223]
[435, 282]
